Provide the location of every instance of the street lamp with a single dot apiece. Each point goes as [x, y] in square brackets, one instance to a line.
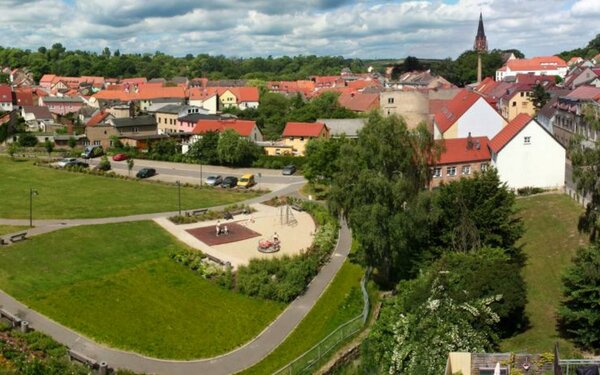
[200, 174]
[32, 192]
[179, 195]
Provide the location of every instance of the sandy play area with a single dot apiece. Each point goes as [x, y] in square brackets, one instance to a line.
[245, 231]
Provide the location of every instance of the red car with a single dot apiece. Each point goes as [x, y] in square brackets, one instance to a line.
[120, 157]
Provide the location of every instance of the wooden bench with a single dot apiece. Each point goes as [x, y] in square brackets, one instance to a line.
[199, 212]
[18, 237]
[82, 358]
[15, 320]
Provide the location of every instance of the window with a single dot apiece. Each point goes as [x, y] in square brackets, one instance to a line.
[451, 171]
[514, 104]
[390, 100]
[302, 138]
[527, 140]
[96, 143]
[135, 130]
[484, 167]
[437, 172]
[466, 170]
[522, 94]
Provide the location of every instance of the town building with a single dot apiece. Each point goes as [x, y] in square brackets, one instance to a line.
[297, 134]
[62, 105]
[544, 65]
[569, 118]
[460, 157]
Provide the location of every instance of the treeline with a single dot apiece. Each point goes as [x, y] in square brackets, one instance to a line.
[57, 60]
[588, 52]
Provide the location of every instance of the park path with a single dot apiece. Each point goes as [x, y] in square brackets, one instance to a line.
[237, 360]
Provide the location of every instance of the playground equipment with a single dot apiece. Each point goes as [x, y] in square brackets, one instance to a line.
[286, 216]
[268, 246]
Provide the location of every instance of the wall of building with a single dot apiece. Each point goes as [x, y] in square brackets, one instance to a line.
[167, 123]
[445, 178]
[100, 134]
[480, 120]
[413, 106]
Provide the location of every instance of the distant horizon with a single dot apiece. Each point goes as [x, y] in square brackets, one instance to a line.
[366, 29]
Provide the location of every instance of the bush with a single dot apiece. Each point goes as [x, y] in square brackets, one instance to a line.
[278, 162]
[529, 190]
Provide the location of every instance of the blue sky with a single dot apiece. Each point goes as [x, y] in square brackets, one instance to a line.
[352, 28]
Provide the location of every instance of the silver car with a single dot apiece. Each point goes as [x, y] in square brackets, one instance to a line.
[214, 180]
[64, 162]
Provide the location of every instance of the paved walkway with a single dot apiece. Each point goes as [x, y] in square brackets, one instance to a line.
[232, 362]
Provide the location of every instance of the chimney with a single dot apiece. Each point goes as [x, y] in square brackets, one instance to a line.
[469, 142]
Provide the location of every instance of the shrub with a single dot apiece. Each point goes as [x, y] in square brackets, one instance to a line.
[529, 190]
[278, 162]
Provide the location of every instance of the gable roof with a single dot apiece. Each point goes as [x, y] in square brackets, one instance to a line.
[303, 129]
[585, 92]
[348, 126]
[242, 127]
[455, 108]
[509, 132]
[40, 113]
[358, 101]
[464, 150]
[96, 119]
[24, 96]
[536, 63]
[246, 93]
[5, 94]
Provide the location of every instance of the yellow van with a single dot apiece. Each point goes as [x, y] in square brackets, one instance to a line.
[246, 181]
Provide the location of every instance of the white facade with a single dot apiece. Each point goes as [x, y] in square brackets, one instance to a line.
[6, 106]
[551, 71]
[532, 158]
[210, 104]
[480, 120]
[245, 105]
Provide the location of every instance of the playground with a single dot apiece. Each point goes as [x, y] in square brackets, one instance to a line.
[268, 232]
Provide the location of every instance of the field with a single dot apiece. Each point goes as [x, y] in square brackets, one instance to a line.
[6, 229]
[550, 240]
[67, 195]
[341, 301]
[115, 283]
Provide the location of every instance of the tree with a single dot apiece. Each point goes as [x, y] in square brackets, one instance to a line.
[205, 149]
[49, 146]
[235, 150]
[116, 143]
[27, 140]
[321, 159]
[104, 164]
[417, 339]
[12, 149]
[539, 97]
[378, 190]
[164, 147]
[130, 164]
[72, 143]
[579, 313]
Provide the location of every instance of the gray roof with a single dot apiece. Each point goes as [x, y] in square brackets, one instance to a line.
[170, 108]
[63, 99]
[347, 126]
[134, 121]
[194, 117]
[66, 137]
[40, 113]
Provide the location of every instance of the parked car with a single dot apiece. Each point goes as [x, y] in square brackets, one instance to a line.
[288, 170]
[247, 181]
[63, 163]
[77, 163]
[214, 180]
[103, 167]
[92, 152]
[120, 157]
[229, 182]
[146, 172]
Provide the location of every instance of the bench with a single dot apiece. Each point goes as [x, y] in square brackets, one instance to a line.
[3, 242]
[82, 358]
[15, 320]
[18, 237]
[297, 207]
[199, 212]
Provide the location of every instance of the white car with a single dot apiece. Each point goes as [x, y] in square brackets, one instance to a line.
[213, 180]
[63, 163]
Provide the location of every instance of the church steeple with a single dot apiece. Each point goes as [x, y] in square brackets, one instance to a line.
[480, 44]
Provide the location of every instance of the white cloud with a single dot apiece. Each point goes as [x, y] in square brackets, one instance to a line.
[357, 28]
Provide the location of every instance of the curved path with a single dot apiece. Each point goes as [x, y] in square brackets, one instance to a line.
[234, 361]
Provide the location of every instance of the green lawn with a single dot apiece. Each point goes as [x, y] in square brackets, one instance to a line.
[6, 229]
[550, 240]
[340, 302]
[67, 195]
[116, 284]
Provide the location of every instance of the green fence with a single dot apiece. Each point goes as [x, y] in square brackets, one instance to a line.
[312, 359]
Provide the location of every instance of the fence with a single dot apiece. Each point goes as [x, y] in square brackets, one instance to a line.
[569, 366]
[315, 356]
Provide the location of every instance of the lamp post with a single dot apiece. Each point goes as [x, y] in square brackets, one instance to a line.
[32, 192]
[179, 195]
[200, 174]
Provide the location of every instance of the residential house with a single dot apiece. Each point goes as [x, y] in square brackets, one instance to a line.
[415, 106]
[517, 100]
[421, 79]
[359, 102]
[297, 134]
[239, 97]
[508, 363]
[207, 98]
[544, 65]
[187, 123]
[460, 157]
[37, 118]
[569, 117]
[527, 155]
[582, 76]
[140, 126]
[46, 81]
[6, 99]
[148, 96]
[167, 117]
[347, 127]
[62, 105]
[245, 128]
[100, 117]
[21, 77]
[467, 113]
[62, 140]
[23, 97]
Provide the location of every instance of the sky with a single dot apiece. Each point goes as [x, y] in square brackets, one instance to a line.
[365, 29]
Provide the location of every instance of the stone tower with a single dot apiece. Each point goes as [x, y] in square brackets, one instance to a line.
[480, 46]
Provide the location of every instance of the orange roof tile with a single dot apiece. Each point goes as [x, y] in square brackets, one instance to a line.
[97, 118]
[242, 127]
[509, 132]
[303, 129]
[536, 63]
[457, 150]
[359, 102]
[455, 108]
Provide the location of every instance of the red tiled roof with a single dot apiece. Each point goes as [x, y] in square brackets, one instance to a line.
[137, 80]
[536, 63]
[5, 94]
[97, 118]
[585, 92]
[455, 108]
[303, 129]
[24, 96]
[457, 150]
[245, 94]
[202, 93]
[47, 78]
[533, 79]
[242, 127]
[509, 132]
[147, 92]
[359, 102]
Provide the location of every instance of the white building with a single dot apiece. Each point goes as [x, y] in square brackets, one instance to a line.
[545, 66]
[527, 155]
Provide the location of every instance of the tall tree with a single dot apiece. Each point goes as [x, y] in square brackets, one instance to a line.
[377, 189]
[539, 97]
[321, 159]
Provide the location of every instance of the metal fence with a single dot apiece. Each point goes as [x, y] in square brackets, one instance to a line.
[569, 366]
[313, 358]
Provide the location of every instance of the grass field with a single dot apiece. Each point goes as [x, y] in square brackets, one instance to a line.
[551, 239]
[340, 302]
[6, 229]
[116, 284]
[66, 195]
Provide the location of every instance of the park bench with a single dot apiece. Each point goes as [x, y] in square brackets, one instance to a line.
[82, 358]
[297, 207]
[18, 237]
[15, 320]
[3, 242]
[199, 212]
